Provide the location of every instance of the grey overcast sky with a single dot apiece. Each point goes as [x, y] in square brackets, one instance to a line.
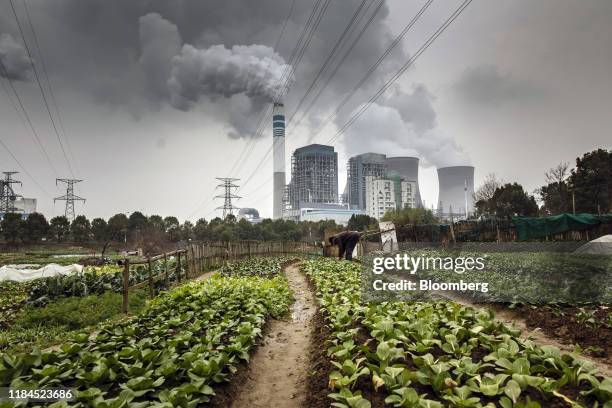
[157, 98]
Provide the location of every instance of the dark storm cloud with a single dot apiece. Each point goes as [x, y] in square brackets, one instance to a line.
[15, 63]
[484, 84]
[144, 54]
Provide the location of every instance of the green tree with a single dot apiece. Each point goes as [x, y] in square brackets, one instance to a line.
[591, 182]
[35, 227]
[11, 225]
[80, 229]
[362, 222]
[117, 227]
[410, 216]
[99, 229]
[59, 227]
[137, 225]
[200, 231]
[172, 226]
[186, 232]
[511, 200]
[157, 222]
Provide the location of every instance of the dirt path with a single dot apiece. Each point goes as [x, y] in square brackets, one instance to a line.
[537, 336]
[278, 371]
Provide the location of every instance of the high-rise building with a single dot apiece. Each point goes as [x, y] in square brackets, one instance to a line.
[278, 159]
[392, 192]
[314, 176]
[408, 169]
[359, 167]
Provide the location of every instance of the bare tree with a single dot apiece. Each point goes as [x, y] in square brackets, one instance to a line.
[487, 189]
[557, 174]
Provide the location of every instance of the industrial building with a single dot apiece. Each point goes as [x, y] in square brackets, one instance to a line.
[359, 167]
[23, 207]
[314, 176]
[388, 194]
[249, 214]
[408, 169]
[456, 192]
[278, 158]
[321, 212]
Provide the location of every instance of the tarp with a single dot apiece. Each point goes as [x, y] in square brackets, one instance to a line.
[601, 246]
[22, 275]
[535, 228]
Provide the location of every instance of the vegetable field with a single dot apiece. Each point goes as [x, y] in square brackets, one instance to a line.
[268, 331]
[435, 354]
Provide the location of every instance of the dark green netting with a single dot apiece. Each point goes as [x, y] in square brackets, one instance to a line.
[535, 228]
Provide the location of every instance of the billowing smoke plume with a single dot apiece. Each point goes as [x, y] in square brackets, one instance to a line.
[253, 70]
[14, 59]
[160, 41]
[404, 125]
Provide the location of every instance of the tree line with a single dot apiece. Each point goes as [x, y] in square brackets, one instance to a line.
[154, 230]
[584, 188]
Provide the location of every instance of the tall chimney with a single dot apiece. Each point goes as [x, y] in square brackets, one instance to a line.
[278, 161]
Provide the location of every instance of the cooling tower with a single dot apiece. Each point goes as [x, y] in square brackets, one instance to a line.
[408, 169]
[278, 158]
[456, 186]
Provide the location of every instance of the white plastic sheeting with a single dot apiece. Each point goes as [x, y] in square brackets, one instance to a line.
[601, 245]
[22, 275]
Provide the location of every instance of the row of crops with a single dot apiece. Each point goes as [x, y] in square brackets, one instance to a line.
[185, 342]
[435, 354]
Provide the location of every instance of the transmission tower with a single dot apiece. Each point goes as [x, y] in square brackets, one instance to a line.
[69, 197]
[227, 183]
[7, 194]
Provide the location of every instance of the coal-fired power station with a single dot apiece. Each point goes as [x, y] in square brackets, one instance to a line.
[456, 190]
[278, 158]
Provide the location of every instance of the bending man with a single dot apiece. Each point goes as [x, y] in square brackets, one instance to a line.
[346, 241]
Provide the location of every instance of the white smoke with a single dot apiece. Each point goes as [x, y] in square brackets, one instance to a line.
[14, 59]
[382, 129]
[217, 71]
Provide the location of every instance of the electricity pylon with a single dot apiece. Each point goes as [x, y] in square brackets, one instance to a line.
[227, 183]
[7, 194]
[69, 197]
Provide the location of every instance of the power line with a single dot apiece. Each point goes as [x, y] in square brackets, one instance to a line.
[372, 68]
[329, 58]
[399, 73]
[27, 173]
[25, 114]
[59, 139]
[44, 69]
[339, 64]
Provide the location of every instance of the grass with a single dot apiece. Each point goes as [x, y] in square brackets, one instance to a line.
[51, 324]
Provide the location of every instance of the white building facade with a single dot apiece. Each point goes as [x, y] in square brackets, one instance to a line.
[388, 194]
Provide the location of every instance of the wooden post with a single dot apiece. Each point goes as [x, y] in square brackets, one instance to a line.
[126, 284]
[178, 267]
[166, 267]
[151, 289]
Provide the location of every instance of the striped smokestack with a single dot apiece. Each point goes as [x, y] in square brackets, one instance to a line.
[278, 161]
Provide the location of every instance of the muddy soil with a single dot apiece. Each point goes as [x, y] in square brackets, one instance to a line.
[595, 338]
[530, 329]
[277, 376]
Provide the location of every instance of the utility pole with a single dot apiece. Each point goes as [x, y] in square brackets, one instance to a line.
[7, 194]
[227, 183]
[69, 197]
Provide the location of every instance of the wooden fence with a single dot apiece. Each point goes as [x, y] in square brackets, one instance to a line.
[198, 257]
[151, 279]
[204, 256]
